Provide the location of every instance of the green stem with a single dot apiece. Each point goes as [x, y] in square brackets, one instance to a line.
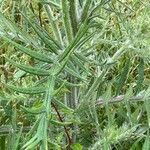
[43, 125]
[65, 128]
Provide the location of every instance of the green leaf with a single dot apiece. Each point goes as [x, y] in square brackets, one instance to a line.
[34, 71]
[74, 74]
[32, 145]
[46, 40]
[81, 57]
[86, 10]
[59, 89]
[80, 64]
[34, 54]
[28, 90]
[52, 2]
[70, 49]
[66, 20]
[15, 140]
[76, 146]
[3, 98]
[63, 106]
[123, 77]
[60, 123]
[34, 110]
[146, 145]
[129, 94]
[16, 31]
[54, 145]
[140, 76]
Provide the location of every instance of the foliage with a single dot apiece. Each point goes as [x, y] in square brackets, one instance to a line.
[74, 74]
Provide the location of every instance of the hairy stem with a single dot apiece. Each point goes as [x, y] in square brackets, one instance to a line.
[119, 98]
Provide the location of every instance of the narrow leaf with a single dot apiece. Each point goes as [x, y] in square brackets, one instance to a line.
[73, 73]
[60, 123]
[85, 10]
[34, 54]
[41, 35]
[35, 71]
[140, 76]
[29, 90]
[34, 110]
[123, 77]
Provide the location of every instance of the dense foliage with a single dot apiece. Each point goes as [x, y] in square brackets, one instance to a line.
[74, 74]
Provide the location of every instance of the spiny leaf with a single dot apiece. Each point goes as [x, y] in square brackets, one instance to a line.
[54, 26]
[35, 71]
[83, 29]
[34, 54]
[73, 73]
[17, 32]
[63, 106]
[59, 89]
[58, 67]
[40, 34]
[80, 64]
[57, 44]
[28, 90]
[81, 57]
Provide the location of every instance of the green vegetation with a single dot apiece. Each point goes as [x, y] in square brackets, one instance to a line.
[75, 75]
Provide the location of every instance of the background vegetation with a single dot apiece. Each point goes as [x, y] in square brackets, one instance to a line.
[74, 74]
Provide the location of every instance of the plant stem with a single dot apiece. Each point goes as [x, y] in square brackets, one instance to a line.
[47, 104]
[60, 118]
[119, 98]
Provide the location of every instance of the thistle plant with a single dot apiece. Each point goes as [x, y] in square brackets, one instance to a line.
[73, 75]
